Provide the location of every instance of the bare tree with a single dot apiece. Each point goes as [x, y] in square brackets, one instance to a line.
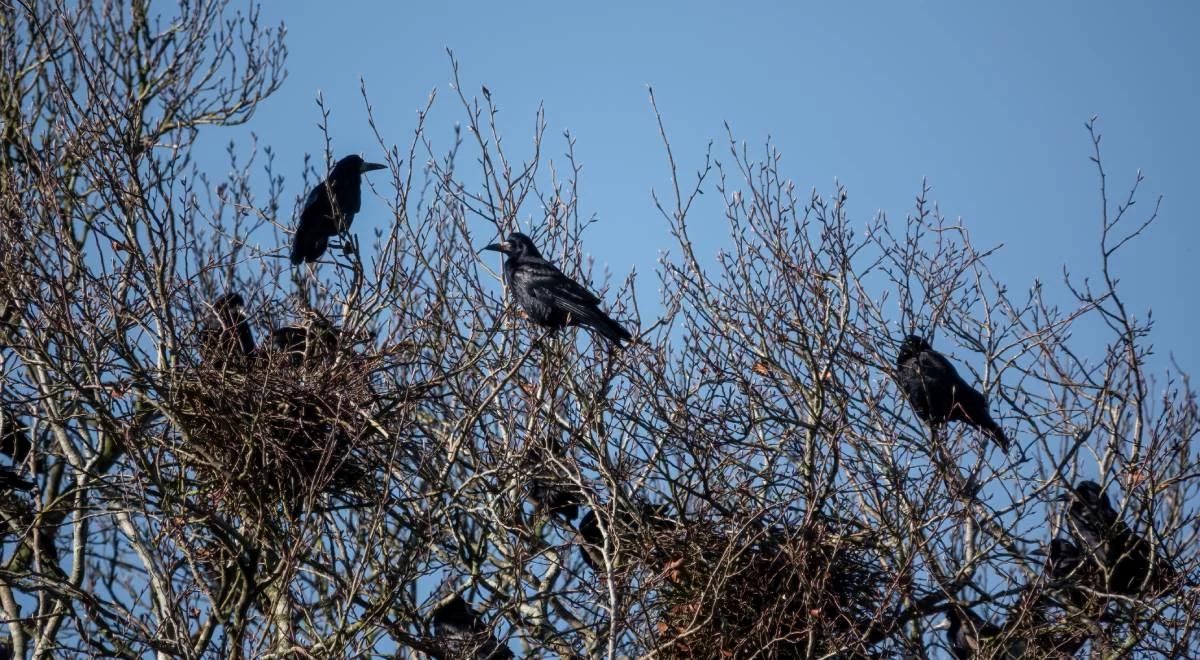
[378, 455]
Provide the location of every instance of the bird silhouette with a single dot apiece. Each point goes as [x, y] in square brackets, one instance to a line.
[330, 207]
[10, 480]
[591, 541]
[228, 334]
[463, 633]
[1068, 572]
[15, 440]
[938, 394]
[1127, 561]
[315, 340]
[555, 499]
[550, 298]
[968, 634]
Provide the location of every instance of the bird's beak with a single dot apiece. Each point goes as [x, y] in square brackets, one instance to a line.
[369, 167]
[1065, 497]
[504, 247]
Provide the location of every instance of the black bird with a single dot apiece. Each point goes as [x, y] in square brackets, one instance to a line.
[15, 440]
[967, 634]
[1124, 556]
[9, 480]
[1067, 571]
[591, 541]
[228, 333]
[550, 487]
[317, 339]
[550, 298]
[938, 394]
[9, 320]
[464, 634]
[555, 499]
[330, 207]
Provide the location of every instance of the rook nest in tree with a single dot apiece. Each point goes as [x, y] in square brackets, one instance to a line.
[274, 431]
[782, 593]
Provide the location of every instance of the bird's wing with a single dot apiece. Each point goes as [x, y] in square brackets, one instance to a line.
[549, 283]
[935, 365]
[314, 196]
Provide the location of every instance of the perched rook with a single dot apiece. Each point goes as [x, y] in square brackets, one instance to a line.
[463, 633]
[938, 394]
[1128, 562]
[229, 333]
[968, 634]
[550, 298]
[330, 207]
[1068, 572]
[313, 341]
[10, 480]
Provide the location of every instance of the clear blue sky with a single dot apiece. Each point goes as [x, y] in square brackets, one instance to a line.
[987, 100]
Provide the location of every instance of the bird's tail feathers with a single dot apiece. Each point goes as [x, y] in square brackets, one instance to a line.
[604, 325]
[307, 246]
[993, 429]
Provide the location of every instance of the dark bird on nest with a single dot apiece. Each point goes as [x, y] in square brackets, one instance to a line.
[938, 394]
[550, 298]
[316, 339]
[463, 633]
[1127, 560]
[551, 488]
[639, 523]
[330, 207]
[228, 333]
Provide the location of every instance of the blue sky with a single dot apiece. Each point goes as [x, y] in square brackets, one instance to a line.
[986, 100]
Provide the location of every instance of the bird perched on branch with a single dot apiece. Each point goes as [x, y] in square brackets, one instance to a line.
[330, 207]
[968, 635]
[228, 333]
[938, 394]
[460, 628]
[15, 439]
[10, 480]
[1067, 571]
[556, 499]
[550, 298]
[1129, 564]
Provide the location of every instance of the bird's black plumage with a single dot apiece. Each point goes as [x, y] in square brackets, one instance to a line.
[967, 635]
[1068, 572]
[330, 207]
[591, 541]
[1128, 563]
[462, 631]
[550, 298]
[10, 480]
[313, 341]
[938, 394]
[555, 499]
[551, 488]
[228, 334]
[15, 440]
